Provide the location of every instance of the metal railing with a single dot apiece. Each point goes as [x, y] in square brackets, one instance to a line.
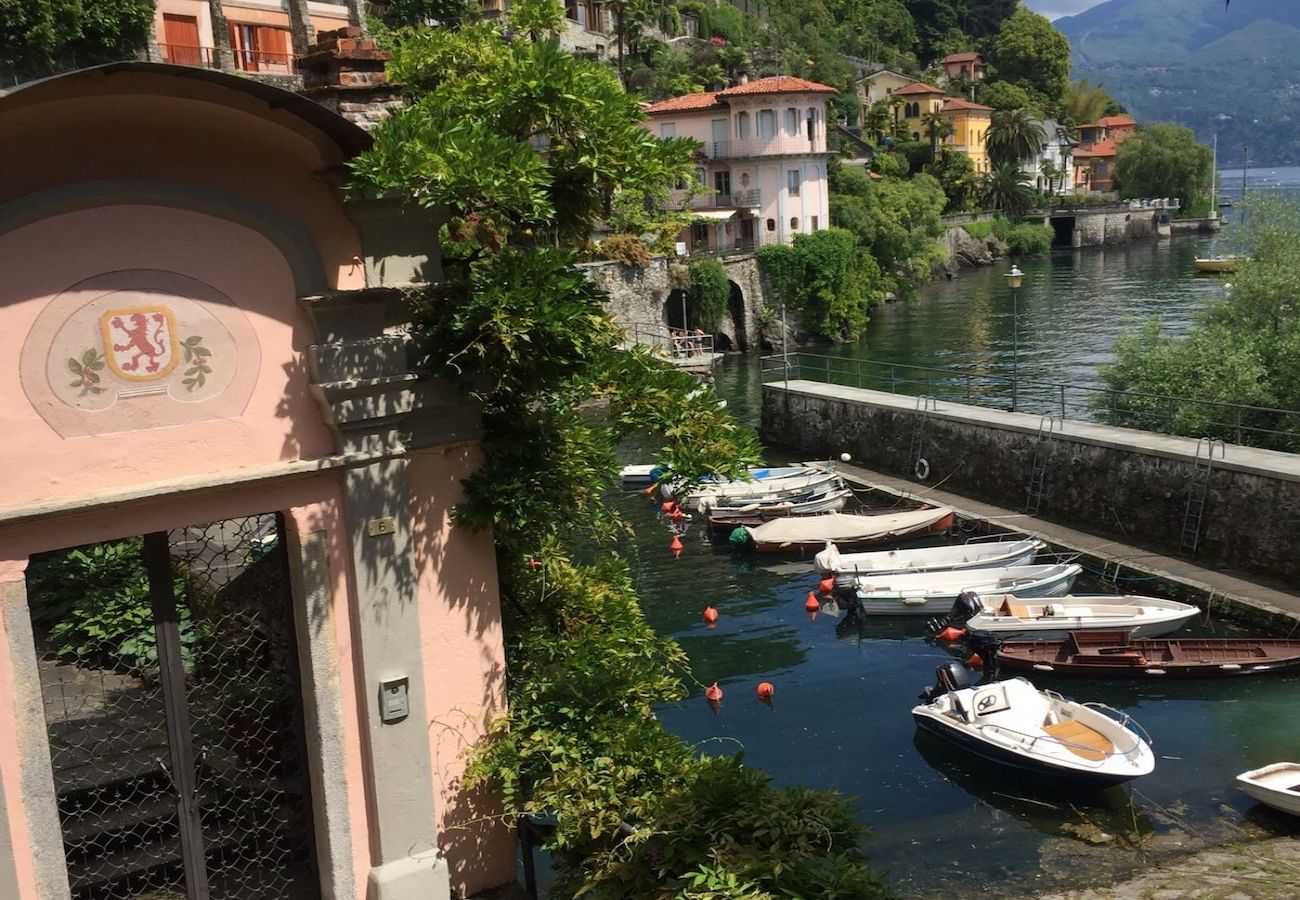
[1239, 423]
[730, 250]
[676, 343]
[274, 63]
[776, 146]
[746, 198]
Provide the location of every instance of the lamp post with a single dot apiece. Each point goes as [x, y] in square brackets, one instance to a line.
[1013, 280]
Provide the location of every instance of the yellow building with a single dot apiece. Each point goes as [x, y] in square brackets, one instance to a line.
[970, 128]
[911, 104]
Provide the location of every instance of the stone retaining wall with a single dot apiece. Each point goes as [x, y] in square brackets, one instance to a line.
[1132, 484]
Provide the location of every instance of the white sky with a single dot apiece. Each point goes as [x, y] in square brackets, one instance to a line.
[1054, 9]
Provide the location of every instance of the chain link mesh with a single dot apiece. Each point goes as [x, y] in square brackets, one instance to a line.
[108, 730]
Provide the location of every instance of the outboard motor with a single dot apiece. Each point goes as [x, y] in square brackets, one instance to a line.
[964, 607]
[950, 676]
[846, 588]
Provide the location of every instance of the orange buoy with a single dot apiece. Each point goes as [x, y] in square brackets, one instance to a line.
[677, 514]
[650, 490]
[676, 545]
[952, 633]
[976, 661]
[534, 563]
[710, 615]
[826, 585]
[765, 690]
[667, 506]
[713, 693]
[812, 604]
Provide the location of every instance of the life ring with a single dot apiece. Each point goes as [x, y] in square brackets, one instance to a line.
[922, 469]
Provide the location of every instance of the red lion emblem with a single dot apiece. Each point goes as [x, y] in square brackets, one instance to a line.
[145, 342]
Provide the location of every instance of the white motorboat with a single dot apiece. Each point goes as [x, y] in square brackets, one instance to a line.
[768, 474]
[928, 593]
[639, 474]
[979, 555]
[646, 474]
[734, 493]
[1013, 723]
[1277, 786]
[757, 512]
[812, 532]
[1028, 617]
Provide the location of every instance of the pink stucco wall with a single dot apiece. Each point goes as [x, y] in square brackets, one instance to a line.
[45, 262]
[460, 629]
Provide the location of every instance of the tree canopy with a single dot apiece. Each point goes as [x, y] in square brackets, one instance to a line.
[1030, 53]
[43, 36]
[1163, 160]
[1014, 136]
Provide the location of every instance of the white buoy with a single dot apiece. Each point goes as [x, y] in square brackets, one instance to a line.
[844, 457]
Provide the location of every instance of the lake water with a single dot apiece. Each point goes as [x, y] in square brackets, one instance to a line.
[841, 714]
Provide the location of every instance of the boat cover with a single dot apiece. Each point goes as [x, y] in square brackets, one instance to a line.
[842, 527]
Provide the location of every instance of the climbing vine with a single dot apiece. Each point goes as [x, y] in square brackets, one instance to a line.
[711, 291]
[828, 278]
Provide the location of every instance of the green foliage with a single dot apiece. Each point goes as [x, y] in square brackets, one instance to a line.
[1163, 160]
[627, 249]
[982, 229]
[44, 36]
[896, 220]
[711, 291]
[1004, 95]
[1007, 189]
[1244, 348]
[827, 277]
[95, 600]
[516, 134]
[1025, 238]
[960, 181]
[1083, 103]
[1014, 137]
[1194, 208]
[417, 12]
[1030, 53]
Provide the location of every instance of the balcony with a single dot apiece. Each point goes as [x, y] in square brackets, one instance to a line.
[751, 199]
[748, 147]
[266, 62]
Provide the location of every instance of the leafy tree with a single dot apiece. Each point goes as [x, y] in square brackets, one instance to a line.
[418, 12]
[828, 278]
[897, 220]
[1030, 53]
[1004, 95]
[984, 18]
[524, 165]
[957, 175]
[936, 22]
[710, 290]
[1084, 102]
[1014, 137]
[1007, 189]
[937, 127]
[1163, 160]
[43, 36]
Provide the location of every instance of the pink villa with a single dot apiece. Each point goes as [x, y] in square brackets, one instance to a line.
[259, 675]
[761, 162]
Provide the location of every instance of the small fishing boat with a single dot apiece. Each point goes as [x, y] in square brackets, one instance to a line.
[671, 486]
[1113, 654]
[734, 493]
[1215, 265]
[1013, 723]
[812, 532]
[638, 474]
[921, 593]
[1055, 617]
[980, 555]
[1277, 786]
[729, 517]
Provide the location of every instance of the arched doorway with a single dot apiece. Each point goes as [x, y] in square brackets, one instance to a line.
[679, 311]
[736, 309]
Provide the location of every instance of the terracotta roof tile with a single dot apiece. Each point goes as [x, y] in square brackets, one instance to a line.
[778, 84]
[952, 104]
[1101, 148]
[1115, 121]
[684, 103]
[918, 88]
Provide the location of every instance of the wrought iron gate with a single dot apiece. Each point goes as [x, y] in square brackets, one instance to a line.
[170, 679]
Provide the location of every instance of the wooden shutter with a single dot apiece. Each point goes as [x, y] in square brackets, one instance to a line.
[273, 47]
[181, 37]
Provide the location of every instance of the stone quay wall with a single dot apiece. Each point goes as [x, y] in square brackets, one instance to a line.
[1116, 481]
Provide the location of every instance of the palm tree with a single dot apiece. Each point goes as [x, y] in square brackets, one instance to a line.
[1007, 189]
[1083, 102]
[1014, 136]
[937, 128]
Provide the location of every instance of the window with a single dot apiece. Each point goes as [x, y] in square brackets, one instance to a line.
[700, 177]
[814, 223]
[792, 182]
[792, 121]
[771, 224]
[812, 123]
[916, 135]
[259, 48]
[794, 224]
[766, 123]
[742, 125]
[668, 129]
[722, 184]
[911, 110]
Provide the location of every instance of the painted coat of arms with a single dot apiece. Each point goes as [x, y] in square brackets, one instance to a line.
[140, 342]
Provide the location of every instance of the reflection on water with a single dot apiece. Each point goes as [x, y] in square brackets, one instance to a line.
[841, 716]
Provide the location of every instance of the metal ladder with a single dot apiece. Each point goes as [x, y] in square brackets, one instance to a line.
[1038, 469]
[924, 405]
[1197, 488]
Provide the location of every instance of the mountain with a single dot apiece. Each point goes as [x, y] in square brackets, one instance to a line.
[1225, 72]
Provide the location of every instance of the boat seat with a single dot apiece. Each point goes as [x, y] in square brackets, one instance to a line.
[1019, 610]
[1082, 741]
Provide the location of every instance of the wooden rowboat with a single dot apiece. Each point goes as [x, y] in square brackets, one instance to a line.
[729, 517]
[1112, 654]
[1215, 264]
